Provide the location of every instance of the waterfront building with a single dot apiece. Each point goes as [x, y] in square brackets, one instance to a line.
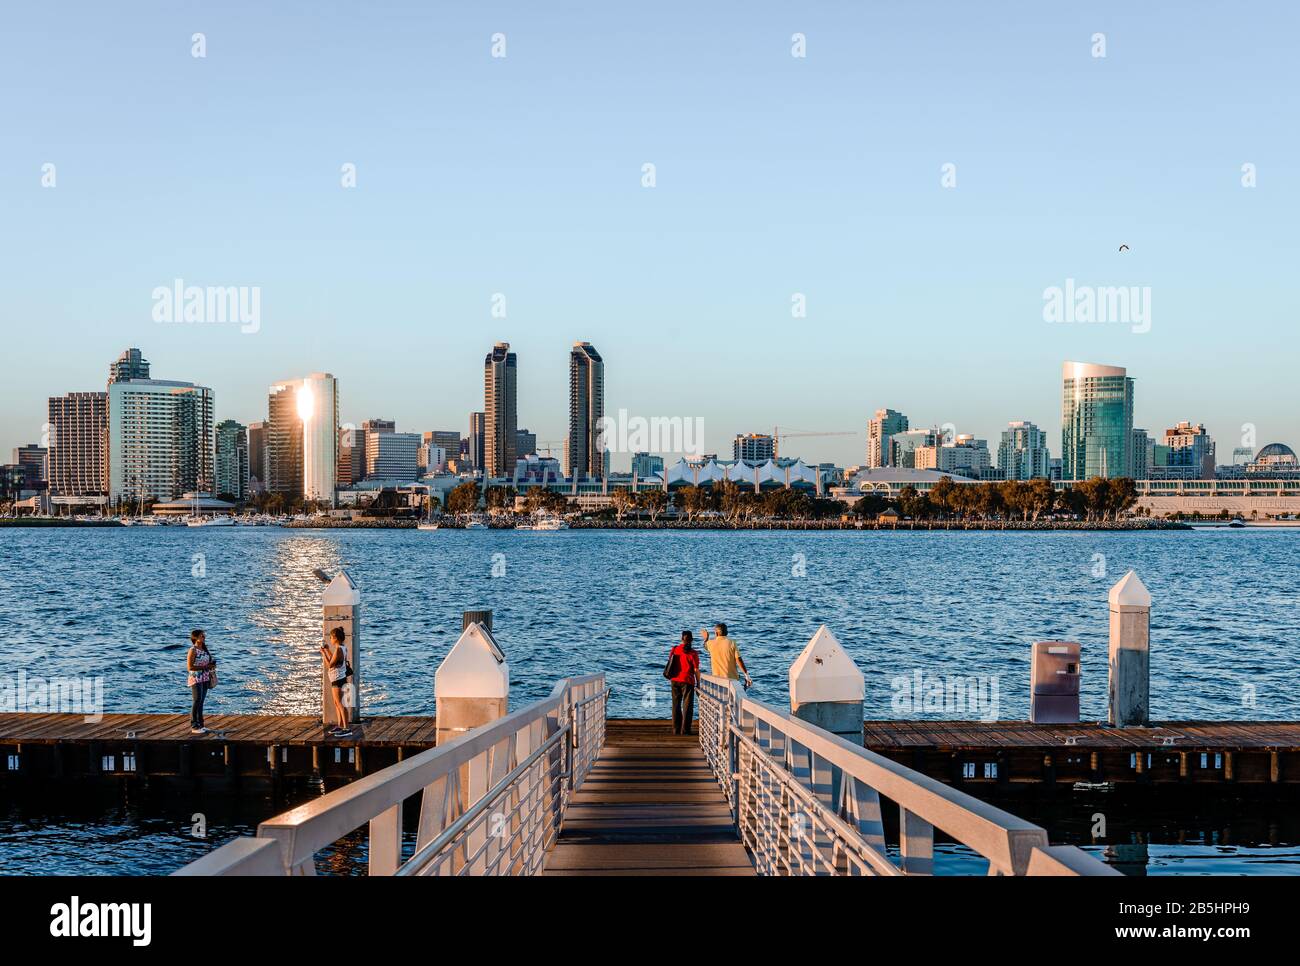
[33, 457]
[965, 456]
[364, 442]
[318, 407]
[584, 453]
[644, 465]
[283, 441]
[1096, 421]
[754, 447]
[1191, 449]
[160, 439]
[432, 458]
[525, 442]
[448, 439]
[232, 470]
[131, 364]
[1022, 454]
[393, 456]
[476, 441]
[890, 482]
[500, 410]
[880, 430]
[78, 451]
[1143, 451]
[1276, 461]
[257, 456]
[904, 444]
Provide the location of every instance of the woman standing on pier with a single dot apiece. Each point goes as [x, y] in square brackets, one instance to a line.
[684, 672]
[336, 659]
[203, 668]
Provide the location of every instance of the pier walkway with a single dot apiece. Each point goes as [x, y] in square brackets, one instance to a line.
[650, 806]
[549, 789]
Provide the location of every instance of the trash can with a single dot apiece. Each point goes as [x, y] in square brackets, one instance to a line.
[1054, 682]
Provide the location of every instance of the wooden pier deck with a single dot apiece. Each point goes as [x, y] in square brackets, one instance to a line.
[966, 753]
[650, 806]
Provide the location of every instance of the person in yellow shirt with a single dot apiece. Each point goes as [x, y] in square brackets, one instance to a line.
[724, 656]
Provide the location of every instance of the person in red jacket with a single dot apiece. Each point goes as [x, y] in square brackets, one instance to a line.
[687, 666]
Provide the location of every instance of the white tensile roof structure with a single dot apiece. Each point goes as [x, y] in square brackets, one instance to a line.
[771, 473]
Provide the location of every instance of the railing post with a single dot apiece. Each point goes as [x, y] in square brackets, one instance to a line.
[915, 843]
[386, 841]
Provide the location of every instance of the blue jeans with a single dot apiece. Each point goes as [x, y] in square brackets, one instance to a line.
[199, 691]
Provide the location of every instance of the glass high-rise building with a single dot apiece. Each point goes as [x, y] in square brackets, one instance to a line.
[1096, 421]
[232, 460]
[160, 440]
[257, 453]
[318, 408]
[880, 430]
[283, 436]
[1022, 454]
[585, 452]
[500, 411]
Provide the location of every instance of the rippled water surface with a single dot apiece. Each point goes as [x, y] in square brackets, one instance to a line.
[119, 604]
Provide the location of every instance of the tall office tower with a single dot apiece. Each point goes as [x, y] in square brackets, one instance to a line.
[1022, 454]
[131, 364]
[448, 439]
[753, 447]
[585, 454]
[32, 457]
[903, 445]
[318, 407]
[525, 443]
[370, 428]
[351, 465]
[283, 436]
[1191, 450]
[257, 453]
[160, 440]
[1096, 421]
[393, 456]
[78, 461]
[1143, 454]
[232, 460]
[501, 418]
[477, 438]
[645, 466]
[880, 429]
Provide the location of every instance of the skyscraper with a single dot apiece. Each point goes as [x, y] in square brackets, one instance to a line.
[1143, 454]
[477, 435]
[160, 439]
[232, 460]
[131, 364]
[257, 454]
[880, 429]
[33, 457]
[1191, 450]
[318, 408]
[283, 436]
[753, 447]
[78, 463]
[1022, 454]
[365, 442]
[585, 453]
[525, 443]
[501, 417]
[1096, 421]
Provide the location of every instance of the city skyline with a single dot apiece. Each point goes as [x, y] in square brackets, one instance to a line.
[763, 193]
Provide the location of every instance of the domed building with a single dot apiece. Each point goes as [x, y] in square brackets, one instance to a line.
[1274, 461]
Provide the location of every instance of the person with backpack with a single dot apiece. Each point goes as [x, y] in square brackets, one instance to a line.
[683, 671]
[336, 659]
[202, 677]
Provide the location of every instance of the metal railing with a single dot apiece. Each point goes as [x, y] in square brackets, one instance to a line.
[807, 802]
[492, 801]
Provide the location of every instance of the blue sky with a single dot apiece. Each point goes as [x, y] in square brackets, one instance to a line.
[775, 175]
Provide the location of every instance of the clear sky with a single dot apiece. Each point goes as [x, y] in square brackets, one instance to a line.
[775, 175]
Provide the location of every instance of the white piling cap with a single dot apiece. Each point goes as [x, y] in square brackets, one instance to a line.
[824, 672]
[475, 667]
[341, 592]
[1130, 592]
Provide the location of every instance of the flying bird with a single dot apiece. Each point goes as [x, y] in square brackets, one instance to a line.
[1123, 248]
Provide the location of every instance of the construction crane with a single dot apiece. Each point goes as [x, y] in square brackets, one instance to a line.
[778, 435]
